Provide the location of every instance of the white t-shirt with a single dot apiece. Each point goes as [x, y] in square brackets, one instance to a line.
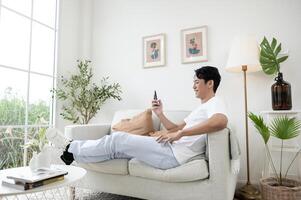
[190, 146]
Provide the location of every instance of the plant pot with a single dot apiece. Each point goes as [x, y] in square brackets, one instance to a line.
[270, 190]
[281, 94]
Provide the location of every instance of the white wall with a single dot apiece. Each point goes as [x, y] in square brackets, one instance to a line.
[74, 42]
[116, 50]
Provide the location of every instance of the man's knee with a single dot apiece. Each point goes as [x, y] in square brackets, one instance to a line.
[118, 135]
[117, 141]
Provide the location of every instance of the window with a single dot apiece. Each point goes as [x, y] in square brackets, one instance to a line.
[28, 41]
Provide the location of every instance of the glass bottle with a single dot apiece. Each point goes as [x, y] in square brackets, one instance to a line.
[281, 94]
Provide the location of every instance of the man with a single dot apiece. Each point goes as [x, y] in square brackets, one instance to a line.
[171, 149]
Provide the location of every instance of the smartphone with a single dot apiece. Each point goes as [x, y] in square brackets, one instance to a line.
[155, 95]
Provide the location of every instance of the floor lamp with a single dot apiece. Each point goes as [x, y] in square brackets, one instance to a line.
[244, 57]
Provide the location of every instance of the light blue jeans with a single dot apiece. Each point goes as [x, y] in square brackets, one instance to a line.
[124, 145]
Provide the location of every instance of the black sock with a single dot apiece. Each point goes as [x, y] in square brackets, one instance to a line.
[67, 157]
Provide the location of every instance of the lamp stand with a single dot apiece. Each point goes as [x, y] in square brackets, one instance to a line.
[248, 191]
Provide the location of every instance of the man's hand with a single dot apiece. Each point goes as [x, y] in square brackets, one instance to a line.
[158, 133]
[157, 107]
[170, 137]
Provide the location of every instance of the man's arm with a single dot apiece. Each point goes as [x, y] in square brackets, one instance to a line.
[169, 125]
[157, 107]
[215, 123]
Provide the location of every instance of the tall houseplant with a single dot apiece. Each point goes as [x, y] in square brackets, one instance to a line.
[270, 61]
[283, 128]
[82, 98]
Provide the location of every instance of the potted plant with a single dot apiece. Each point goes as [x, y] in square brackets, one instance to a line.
[83, 99]
[278, 187]
[270, 62]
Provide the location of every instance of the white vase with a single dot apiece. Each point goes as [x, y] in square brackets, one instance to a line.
[33, 161]
[41, 160]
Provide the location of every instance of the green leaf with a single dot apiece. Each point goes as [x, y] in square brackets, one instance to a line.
[269, 69]
[273, 45]
[264, 41]
[282, 59]
[285, 128]
[267, 56]
[267, 47]
[261, 127]
[278, 49]
[268, 59]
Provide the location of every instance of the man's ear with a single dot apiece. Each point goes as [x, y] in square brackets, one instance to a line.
[210, 83]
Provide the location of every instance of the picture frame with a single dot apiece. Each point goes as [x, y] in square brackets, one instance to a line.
[154, 50]
[194, 45]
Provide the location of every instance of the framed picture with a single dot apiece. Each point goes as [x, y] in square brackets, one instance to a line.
[154, 51]
[194, 44]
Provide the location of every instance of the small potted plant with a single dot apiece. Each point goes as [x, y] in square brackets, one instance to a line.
[270, 62]
[278, 187]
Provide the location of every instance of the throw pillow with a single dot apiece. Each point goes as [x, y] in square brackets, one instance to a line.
[141, 124]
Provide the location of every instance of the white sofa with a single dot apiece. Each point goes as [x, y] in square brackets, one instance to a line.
[202, 179]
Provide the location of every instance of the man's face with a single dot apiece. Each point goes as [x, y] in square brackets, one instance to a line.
[201, 88]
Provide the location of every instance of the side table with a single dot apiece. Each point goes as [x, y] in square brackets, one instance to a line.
[57, 190]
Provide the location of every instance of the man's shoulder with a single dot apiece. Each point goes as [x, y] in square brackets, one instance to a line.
[218, 100]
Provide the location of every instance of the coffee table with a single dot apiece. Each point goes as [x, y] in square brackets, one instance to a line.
[57, 190]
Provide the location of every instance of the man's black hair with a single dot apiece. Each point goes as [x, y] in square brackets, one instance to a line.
[209, 73]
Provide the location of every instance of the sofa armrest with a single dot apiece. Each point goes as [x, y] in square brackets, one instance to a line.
[87, 131]
[218, 155]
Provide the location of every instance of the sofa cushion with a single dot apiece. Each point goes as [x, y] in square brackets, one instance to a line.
[191, 171]
[127, 114]
[116, 166]
[141, 124]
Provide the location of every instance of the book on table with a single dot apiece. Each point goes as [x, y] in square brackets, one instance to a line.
[26, 186]
[28, 176]
[25, 179]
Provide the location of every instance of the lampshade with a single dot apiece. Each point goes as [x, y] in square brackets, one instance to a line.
[244, 51]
